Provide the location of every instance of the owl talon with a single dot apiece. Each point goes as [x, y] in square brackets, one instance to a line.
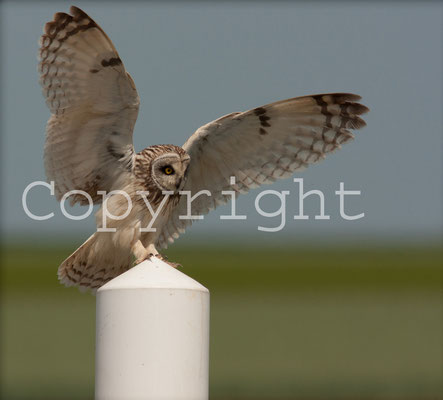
[165, 259]
[160, 257]
[174, 265]
[148, 257]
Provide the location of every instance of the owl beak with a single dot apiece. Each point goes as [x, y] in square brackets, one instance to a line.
[180, 184]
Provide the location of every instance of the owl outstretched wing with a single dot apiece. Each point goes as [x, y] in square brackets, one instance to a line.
[259, 146]
[94, 106]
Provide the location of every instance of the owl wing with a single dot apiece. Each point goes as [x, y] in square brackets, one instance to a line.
[259, 146]
[94, 106]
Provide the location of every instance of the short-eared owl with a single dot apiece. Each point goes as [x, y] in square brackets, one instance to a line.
[94, 106]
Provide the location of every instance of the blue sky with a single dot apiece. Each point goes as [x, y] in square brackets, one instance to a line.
[193, 62]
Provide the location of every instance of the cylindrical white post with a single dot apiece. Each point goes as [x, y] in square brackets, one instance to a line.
[152, 338]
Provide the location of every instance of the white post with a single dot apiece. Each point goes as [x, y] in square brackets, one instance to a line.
[152, 338]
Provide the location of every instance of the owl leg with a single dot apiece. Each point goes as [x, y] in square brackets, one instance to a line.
[165, 259]
[143, 253]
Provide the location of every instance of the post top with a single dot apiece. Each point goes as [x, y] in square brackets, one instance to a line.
[153, 274]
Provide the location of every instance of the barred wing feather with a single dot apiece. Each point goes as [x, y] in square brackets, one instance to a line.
[94, 106]
[261, 145]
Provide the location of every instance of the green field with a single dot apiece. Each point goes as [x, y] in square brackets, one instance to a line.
[335, 323]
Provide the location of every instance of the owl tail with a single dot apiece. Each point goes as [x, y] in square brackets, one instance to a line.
[95, 262]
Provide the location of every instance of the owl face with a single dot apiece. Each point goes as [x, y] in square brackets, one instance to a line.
[169, 171]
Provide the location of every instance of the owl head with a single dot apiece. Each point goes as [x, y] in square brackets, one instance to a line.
[168, 170]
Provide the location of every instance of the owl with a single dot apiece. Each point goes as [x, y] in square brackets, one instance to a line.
[89, 150]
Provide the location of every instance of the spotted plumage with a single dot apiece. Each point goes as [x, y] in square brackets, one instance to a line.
[94, 106]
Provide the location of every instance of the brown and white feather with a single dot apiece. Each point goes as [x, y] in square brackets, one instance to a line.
[262, 145]
[94, 106]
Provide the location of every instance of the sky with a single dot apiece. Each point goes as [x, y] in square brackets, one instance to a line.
[193, 62]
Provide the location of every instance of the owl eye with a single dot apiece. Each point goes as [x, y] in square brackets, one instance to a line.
[168, 170]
